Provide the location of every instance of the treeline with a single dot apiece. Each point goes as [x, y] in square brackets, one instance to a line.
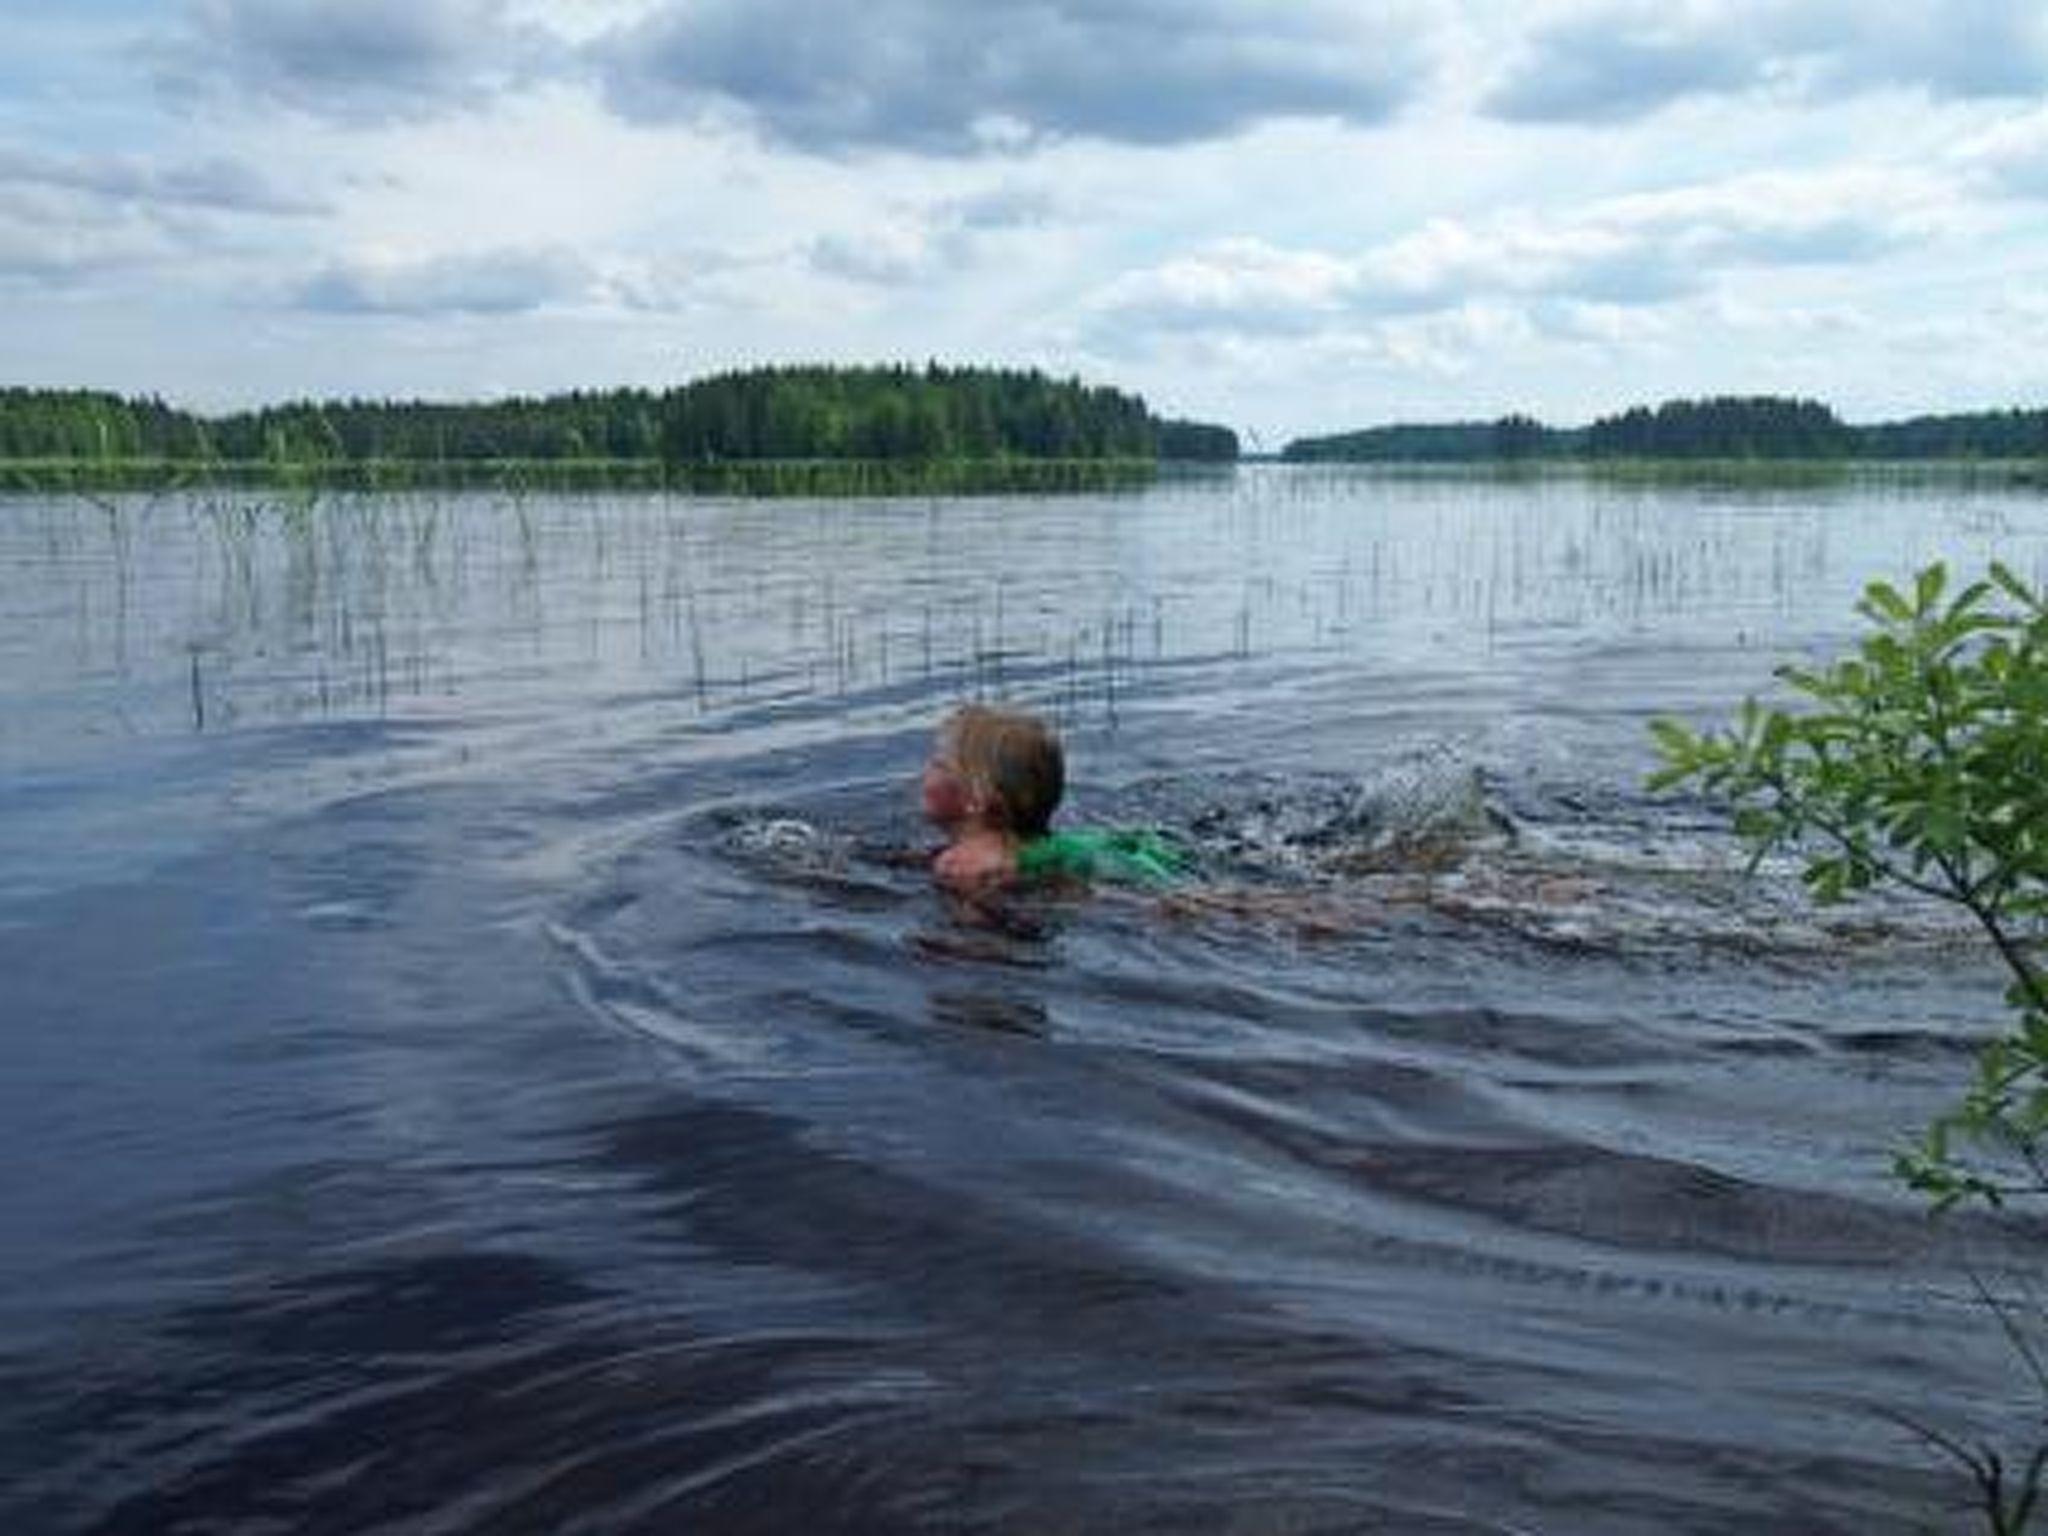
[1727, 427]
[798, 413]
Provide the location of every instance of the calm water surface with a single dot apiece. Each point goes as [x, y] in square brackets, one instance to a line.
[471, 1060]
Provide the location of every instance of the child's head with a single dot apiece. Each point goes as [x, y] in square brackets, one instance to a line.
[1001, 767]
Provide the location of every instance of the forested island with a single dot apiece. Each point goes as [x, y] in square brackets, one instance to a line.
[1724, 428]
[892, 416]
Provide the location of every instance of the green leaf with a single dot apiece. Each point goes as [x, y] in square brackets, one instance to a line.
[1927, 587]
[1882, 602]
[2012, 586]
[1677, 744]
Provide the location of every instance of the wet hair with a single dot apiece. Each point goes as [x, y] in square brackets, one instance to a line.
[1014, 758]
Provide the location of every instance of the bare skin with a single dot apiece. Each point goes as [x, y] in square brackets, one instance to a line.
[980, 851]
[977, 860]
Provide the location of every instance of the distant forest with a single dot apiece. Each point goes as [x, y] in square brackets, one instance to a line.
[799, 413]
[1748, 427]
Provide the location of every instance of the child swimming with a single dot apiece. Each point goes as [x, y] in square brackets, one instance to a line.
[993, 781]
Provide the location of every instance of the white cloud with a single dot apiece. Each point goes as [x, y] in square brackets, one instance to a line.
[2011, 157]
[1295, 218]
[1636, 250]
[1811, 323]
[1617, 326]
[1240, 284]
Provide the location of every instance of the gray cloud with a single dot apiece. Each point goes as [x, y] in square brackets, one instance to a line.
[217, 185]
[353, 60]
[485, 282]
[1012, 207]
[1964, 49]
[1593, 70]
[40, 256]
[52, 238]
[695, 279]
[72, 220]
[1620, 60]
[939, 77]
[887, 257]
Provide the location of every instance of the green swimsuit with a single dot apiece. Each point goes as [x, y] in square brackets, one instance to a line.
[1123, 856]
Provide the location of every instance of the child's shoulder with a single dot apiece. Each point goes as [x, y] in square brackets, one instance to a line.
[972, 862]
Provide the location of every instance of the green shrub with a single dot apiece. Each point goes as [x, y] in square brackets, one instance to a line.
[1921, 760]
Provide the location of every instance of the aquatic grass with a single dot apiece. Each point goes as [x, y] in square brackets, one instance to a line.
[2008, 1490]
[298, 473]
[1295, 564]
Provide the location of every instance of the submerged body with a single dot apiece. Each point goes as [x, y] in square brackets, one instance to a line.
[1123, 856]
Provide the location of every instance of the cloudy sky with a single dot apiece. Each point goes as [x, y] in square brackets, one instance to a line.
[1286, 215]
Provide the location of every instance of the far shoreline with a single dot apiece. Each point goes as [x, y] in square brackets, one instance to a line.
[853, 479]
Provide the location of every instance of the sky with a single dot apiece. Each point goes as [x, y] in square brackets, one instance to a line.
[1288, 216]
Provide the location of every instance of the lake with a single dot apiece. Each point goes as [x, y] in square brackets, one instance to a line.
[476, 1056]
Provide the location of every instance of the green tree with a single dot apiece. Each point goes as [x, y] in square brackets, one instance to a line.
[1518, 437]
[1921, 761]
[935, 413]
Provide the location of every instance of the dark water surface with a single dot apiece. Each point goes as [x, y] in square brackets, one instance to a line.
[469, 1061]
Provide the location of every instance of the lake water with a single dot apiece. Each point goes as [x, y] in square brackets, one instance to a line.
[470, 1059]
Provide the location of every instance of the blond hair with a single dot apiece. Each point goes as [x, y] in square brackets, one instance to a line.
[1012, 758]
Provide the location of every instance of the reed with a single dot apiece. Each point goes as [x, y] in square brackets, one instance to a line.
[302, 475]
